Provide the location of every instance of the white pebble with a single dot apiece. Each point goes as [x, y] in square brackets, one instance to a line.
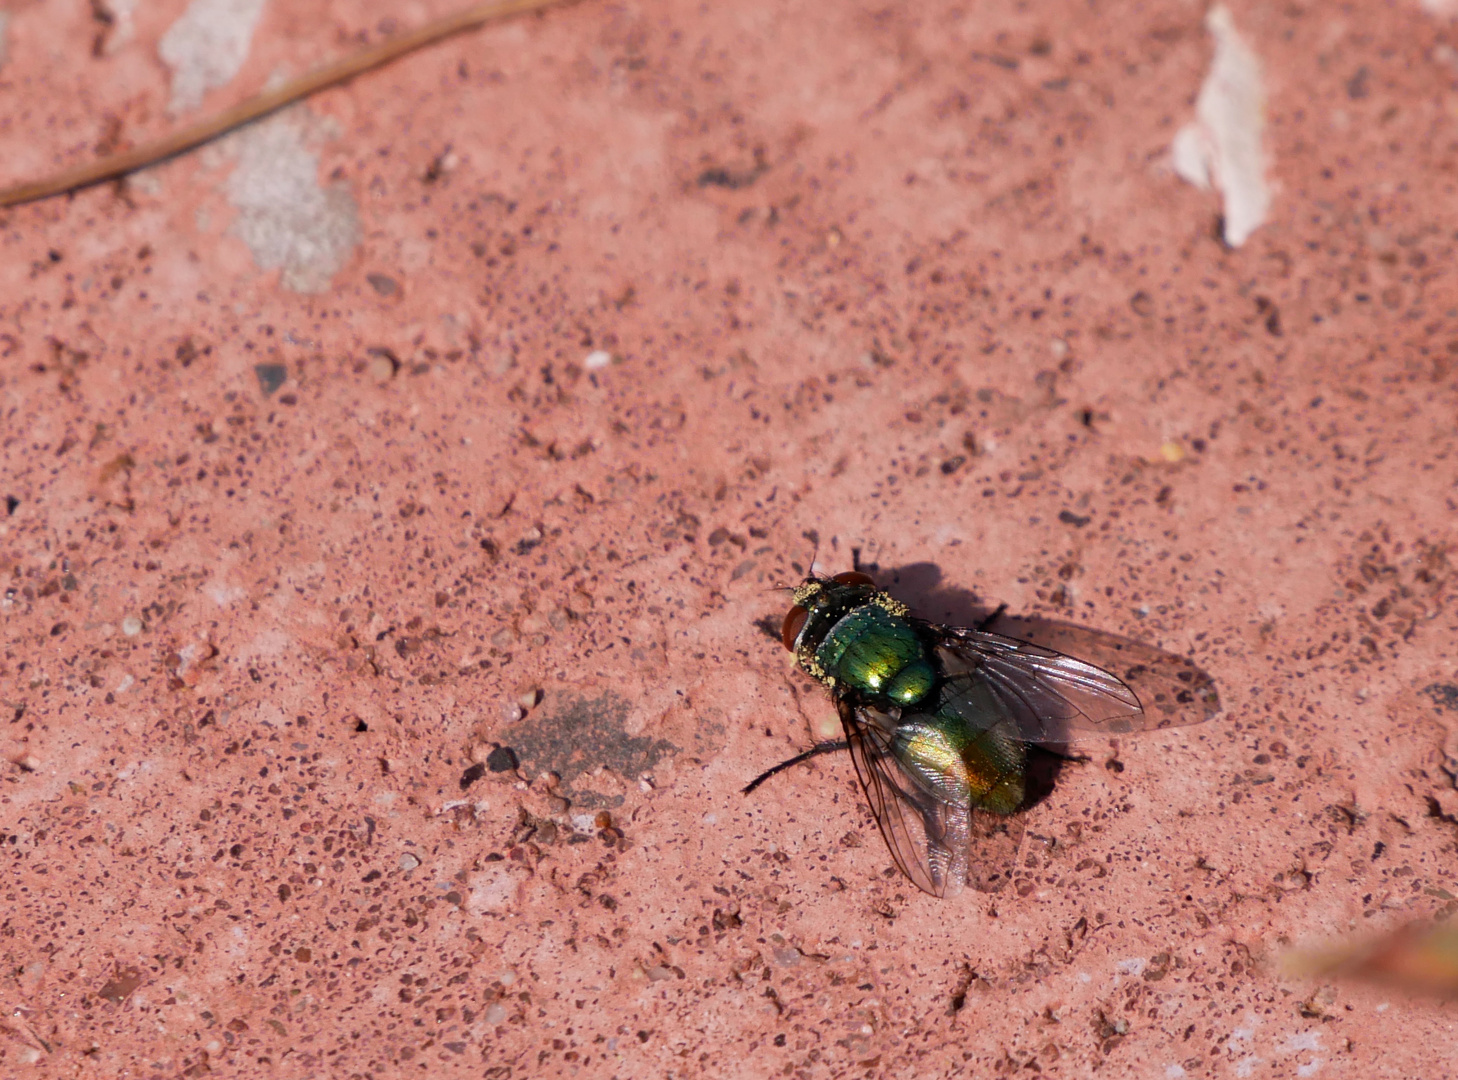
[598, 359]
[408, 862]
[131, 626]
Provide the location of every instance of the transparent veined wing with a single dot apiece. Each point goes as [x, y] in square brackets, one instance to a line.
[1054, 698]
[1173, 690]
[940, 843]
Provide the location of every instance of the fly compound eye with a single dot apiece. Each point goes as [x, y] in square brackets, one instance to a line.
[794, 623]
[853, 577]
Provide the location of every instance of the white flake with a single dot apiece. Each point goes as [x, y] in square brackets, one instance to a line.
[1222, 147]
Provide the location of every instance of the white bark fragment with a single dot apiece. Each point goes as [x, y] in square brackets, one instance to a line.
[1222, 147]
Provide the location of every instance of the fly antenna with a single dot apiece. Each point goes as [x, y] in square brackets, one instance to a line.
[813, 535]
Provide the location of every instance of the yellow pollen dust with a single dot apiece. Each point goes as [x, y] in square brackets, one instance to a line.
[891, 605]
[804, 592]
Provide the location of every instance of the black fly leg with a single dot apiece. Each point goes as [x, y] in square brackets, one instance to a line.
[814, 751]
[985, 626]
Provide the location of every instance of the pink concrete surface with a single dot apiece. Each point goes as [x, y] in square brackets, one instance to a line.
[299, 535]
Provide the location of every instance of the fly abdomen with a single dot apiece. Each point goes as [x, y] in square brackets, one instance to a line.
[872, 651]
[961, 764]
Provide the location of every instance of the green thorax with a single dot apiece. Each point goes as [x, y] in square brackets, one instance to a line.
[872, 650]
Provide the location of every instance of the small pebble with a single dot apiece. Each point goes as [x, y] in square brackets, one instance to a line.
[502, 759]
[511, 712]
[603, 820]
[529, 698]
[408, 862]
[131, 626]
[495, 1014]
[597, 359]
[270, 377]
[383, 284]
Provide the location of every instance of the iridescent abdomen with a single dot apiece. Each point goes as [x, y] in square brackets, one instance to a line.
[962, 764]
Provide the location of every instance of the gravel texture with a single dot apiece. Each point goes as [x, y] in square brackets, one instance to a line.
[391, 540]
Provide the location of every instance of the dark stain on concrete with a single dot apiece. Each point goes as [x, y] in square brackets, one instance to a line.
[572, 736]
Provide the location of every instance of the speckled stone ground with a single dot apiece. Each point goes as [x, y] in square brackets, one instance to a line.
[471, 414]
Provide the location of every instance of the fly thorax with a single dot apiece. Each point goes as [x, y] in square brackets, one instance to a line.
[874, 651]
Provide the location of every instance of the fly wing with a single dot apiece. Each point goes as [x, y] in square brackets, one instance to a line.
[1173, 689]
[940, 844]
[1047, 696]
[894, 798]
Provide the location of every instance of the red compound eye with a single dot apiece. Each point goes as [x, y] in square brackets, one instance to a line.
[853, 577]
[794, 623]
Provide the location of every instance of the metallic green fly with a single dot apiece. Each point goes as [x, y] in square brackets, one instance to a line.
[939, 720]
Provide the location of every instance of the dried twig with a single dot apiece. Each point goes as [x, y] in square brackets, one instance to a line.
[193, 136]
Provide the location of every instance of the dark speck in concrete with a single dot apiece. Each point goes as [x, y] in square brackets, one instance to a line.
[383, 284]
[1444, 695]
[270, 377]
[502, 759]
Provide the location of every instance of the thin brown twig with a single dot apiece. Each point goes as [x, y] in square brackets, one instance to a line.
[194, 135]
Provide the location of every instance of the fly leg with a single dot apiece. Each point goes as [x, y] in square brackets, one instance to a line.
[815, 751]
[985, 626]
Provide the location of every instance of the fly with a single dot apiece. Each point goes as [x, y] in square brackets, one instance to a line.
[939, 720]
